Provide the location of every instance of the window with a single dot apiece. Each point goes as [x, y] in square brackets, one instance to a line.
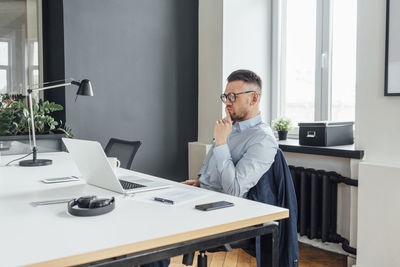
[34, 63]
[19, 45]
[298, 58]
[316, 45]
[4, 66]
[344, 60]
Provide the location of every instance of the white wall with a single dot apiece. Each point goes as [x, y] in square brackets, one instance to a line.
[377, 116]
[377, 132]
[210, 67]
[247, 42]
[379, 216]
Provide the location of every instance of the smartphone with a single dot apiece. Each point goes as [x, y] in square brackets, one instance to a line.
[214, 205]
[60, 179]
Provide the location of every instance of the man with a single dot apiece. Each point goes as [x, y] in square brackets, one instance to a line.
[243, 151]
[244, 147]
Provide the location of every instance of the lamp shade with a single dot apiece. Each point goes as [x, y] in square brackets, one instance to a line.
[85, 88]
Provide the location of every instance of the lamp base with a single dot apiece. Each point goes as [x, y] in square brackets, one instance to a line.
[33, 163]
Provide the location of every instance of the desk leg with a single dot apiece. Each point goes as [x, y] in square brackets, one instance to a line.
[269, 249]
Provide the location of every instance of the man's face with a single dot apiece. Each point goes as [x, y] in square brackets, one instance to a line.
[240, 108]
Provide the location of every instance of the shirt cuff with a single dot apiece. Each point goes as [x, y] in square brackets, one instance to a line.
[221, 154]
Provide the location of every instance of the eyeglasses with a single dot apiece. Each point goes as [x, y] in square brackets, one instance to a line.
[232, 96]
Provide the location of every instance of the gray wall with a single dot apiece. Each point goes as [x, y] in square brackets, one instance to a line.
[141, 56]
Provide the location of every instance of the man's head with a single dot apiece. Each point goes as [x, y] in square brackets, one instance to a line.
[242, 94]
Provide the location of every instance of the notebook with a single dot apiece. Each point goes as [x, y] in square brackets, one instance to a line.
[93, 164]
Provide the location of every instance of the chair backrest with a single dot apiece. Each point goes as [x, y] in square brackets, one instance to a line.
[276, 188]
[124, 150]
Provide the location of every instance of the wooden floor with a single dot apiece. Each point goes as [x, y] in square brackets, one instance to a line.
[309, 257]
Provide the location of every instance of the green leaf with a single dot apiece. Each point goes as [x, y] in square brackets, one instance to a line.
[15, 116]
[282, 124]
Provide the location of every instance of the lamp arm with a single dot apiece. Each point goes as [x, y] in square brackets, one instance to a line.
[51, 82]
[30, 91]
[75, 83]
[49, 87]
[33, 126]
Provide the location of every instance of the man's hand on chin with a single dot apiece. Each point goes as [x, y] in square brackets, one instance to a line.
[222, 129]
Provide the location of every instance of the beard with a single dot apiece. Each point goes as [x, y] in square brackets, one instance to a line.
[238, 116]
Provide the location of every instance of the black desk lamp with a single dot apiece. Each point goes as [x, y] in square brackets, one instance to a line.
[85, 88]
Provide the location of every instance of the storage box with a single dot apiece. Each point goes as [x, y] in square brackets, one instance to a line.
[324, 133]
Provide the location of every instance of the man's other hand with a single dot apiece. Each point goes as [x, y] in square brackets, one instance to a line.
[192, 182]
[222, 129]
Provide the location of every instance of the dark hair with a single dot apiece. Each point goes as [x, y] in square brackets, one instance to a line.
[247, 76]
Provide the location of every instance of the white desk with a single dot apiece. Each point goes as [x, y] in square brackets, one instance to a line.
[49, 236]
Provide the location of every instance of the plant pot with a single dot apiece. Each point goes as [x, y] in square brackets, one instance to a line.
[19, 144]
[282, 135]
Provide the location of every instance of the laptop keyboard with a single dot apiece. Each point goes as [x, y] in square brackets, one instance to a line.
[129, 185]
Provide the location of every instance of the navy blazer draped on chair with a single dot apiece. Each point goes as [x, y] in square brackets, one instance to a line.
[276, 188]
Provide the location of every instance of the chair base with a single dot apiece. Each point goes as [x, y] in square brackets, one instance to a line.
[202, 259]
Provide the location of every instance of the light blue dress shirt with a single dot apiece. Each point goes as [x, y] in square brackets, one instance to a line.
[234, 168]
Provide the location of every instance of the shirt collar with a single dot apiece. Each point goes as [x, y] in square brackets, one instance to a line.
[243, 125]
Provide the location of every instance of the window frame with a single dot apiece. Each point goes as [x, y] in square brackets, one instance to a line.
[323, 61]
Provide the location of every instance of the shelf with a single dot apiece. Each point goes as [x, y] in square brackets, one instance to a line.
[346, 151]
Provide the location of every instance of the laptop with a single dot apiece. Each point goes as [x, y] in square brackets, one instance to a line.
[93, 164]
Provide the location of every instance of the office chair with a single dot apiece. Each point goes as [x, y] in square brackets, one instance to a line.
[124, 150]
[276, 188]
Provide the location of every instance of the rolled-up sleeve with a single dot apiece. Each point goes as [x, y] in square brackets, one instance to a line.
[257, 159]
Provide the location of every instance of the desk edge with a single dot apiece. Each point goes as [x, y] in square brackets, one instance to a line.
[159, 242]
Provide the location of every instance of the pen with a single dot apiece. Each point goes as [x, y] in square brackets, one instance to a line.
[163, 200]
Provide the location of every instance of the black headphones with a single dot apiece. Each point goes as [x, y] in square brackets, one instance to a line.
[90, 206]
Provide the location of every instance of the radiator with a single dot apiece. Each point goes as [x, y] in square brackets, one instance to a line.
[316, 192]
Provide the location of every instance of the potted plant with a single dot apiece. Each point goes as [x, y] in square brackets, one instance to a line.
[15, 120]
[282, 126]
